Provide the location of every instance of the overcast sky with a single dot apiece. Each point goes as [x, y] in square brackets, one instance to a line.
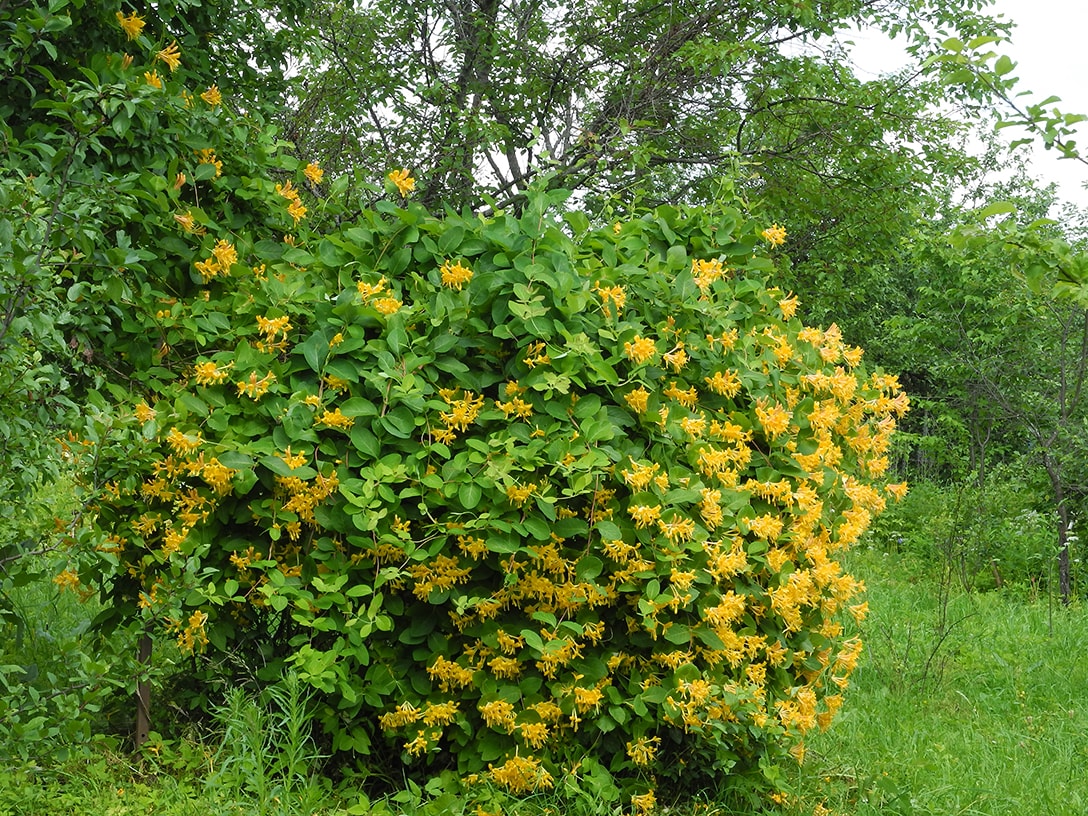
[1050, 47]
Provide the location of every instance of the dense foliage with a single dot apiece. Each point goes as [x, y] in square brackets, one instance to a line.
[513, 490]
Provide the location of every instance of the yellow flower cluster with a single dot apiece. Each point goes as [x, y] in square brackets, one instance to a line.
[208, 373]
[455, 275]
[207, 156]
[273, 333]
[611, 296]
[193, 636]
[223, 257]
[295, 207]
[403, 181]
[212, 96]
[641, 349]
[376, 295]
[463, 412]
[132, 25]
[774, 235]
[521, 774]
[705, 272]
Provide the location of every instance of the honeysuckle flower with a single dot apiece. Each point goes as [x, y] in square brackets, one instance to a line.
[133, 24]
[152, 78]
[171, 55]
[403, 180]
[314, 173]
[454, 275]
[212, 96]
[774, 235]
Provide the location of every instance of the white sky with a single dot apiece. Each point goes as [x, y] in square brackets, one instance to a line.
[1050, 48]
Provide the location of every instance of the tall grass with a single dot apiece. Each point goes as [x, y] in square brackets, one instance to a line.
[1000, 728]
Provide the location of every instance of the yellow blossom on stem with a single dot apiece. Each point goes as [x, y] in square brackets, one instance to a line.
[207, 156]
[67, 579]
[645, 515]
[387, 305]
[193, 636]
[314, 173]
[335, 419]
[255, 388]
[774, 418]
[212, 96]
[637, 399]
[296, 210]
[774, 235]
[132, 24]
[208, 373]
[788, 305]
[454, 275]
[645, 803]
[403, 181]
[152, 78]
[642, 750]
[143, 412]
[170, 55]
[498, 714]
[225, 254]
[640, 349]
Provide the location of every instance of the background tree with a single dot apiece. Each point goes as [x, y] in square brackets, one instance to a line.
[619, 101]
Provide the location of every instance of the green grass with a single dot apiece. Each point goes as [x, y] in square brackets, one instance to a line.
[963, 704]
[998, 725]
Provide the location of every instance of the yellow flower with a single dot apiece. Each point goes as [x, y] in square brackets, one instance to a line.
[774, 419]
[132, 24]
[677, 358]
[637, 399]
[454, 275]
[143, 412]
[387, 305]
[225, 254]
[68, 579]
[335, 419]
[207, 156]
[704, 273]
[296, 210]
[898, 490]
[208, 373]
[314, 173]
[170, 55]
[788, 305]
[640, 349]
[188, 223]
[587, 698]
[498, 713]
[774, 235]
[519, 495]
[212, 96]
[254, 388]
[286, 190]
[405, 183]
[152, 78]
[645, 515]
[642, 750]
[644, 804]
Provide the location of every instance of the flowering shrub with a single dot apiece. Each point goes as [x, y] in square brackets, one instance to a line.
[510, 491]
[508, 496]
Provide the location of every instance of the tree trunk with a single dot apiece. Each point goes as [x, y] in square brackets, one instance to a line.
[143, 694]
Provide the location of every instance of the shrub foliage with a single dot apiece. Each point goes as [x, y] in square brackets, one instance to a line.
[508, 490]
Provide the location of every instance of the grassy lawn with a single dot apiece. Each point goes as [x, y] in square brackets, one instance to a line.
[981, 708]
